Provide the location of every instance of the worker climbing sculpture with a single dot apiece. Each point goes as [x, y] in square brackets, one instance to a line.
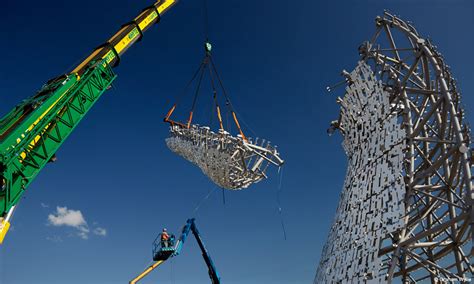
[405, 213]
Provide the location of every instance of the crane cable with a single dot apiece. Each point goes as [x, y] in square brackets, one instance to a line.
[203, 64]
[196, 94]
[179, 97]
[228, 103]
[206, 20]
[214, 94]
[208, 62]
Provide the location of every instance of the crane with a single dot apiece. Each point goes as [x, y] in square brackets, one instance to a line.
[32, 132]
[162, 253]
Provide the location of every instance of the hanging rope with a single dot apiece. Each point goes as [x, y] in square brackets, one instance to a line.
[245, 123]
[280, 210]
[204, 199]
[178, 100]
[196, 94]
[214, 92]
[228, 103]
[208, 62]
[227, 100]
[223, 196]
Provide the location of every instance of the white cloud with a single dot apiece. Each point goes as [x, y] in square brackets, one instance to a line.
[67, 217]
[44, 205]
[74, 219]
[83, 233]
[54, 239]
[70, 218]
[100, 231]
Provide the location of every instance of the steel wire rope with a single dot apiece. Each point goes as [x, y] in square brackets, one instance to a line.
[196, 94]
[228, 102]
[211, 115]
[206, 19]
[216, 102]
[185, 90]
[189, 83]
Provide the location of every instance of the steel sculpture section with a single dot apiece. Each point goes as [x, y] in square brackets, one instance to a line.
[434, 242]
[371, 203]
[230, 162]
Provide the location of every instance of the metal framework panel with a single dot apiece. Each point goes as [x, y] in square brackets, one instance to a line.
[371, 203]
[230, 162]
[406, 210]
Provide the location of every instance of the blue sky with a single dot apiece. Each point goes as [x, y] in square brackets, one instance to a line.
[276, 58]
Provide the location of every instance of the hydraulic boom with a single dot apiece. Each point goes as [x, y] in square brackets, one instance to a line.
[161, 254]
[34, 130]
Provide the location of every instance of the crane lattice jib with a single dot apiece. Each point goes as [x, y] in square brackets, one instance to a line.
[35, 129]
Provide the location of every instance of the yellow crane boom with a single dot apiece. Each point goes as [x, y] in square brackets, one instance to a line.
[130, 33]
[34, 130]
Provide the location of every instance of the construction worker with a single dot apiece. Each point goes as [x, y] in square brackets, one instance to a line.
[165, 238]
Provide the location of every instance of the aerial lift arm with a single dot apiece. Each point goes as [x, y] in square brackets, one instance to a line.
[34, 130]
[164, 254]
[147, 271]
[191, 226]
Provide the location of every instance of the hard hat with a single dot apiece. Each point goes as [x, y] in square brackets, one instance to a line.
[164, 229]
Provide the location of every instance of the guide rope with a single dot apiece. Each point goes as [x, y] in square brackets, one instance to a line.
[203, 200]
[280, 210]
[223, 196]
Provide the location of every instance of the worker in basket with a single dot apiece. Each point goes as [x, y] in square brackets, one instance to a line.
[165, 238]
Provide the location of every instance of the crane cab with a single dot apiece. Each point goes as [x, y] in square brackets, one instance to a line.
[163, 250]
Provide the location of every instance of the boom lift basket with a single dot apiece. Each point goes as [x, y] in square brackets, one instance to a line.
[161, 252]
[231, 162]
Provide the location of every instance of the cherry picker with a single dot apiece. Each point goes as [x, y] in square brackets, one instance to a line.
[33, 131]
[161, 252]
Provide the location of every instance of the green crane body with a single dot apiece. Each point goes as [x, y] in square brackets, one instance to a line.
[34, 130]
